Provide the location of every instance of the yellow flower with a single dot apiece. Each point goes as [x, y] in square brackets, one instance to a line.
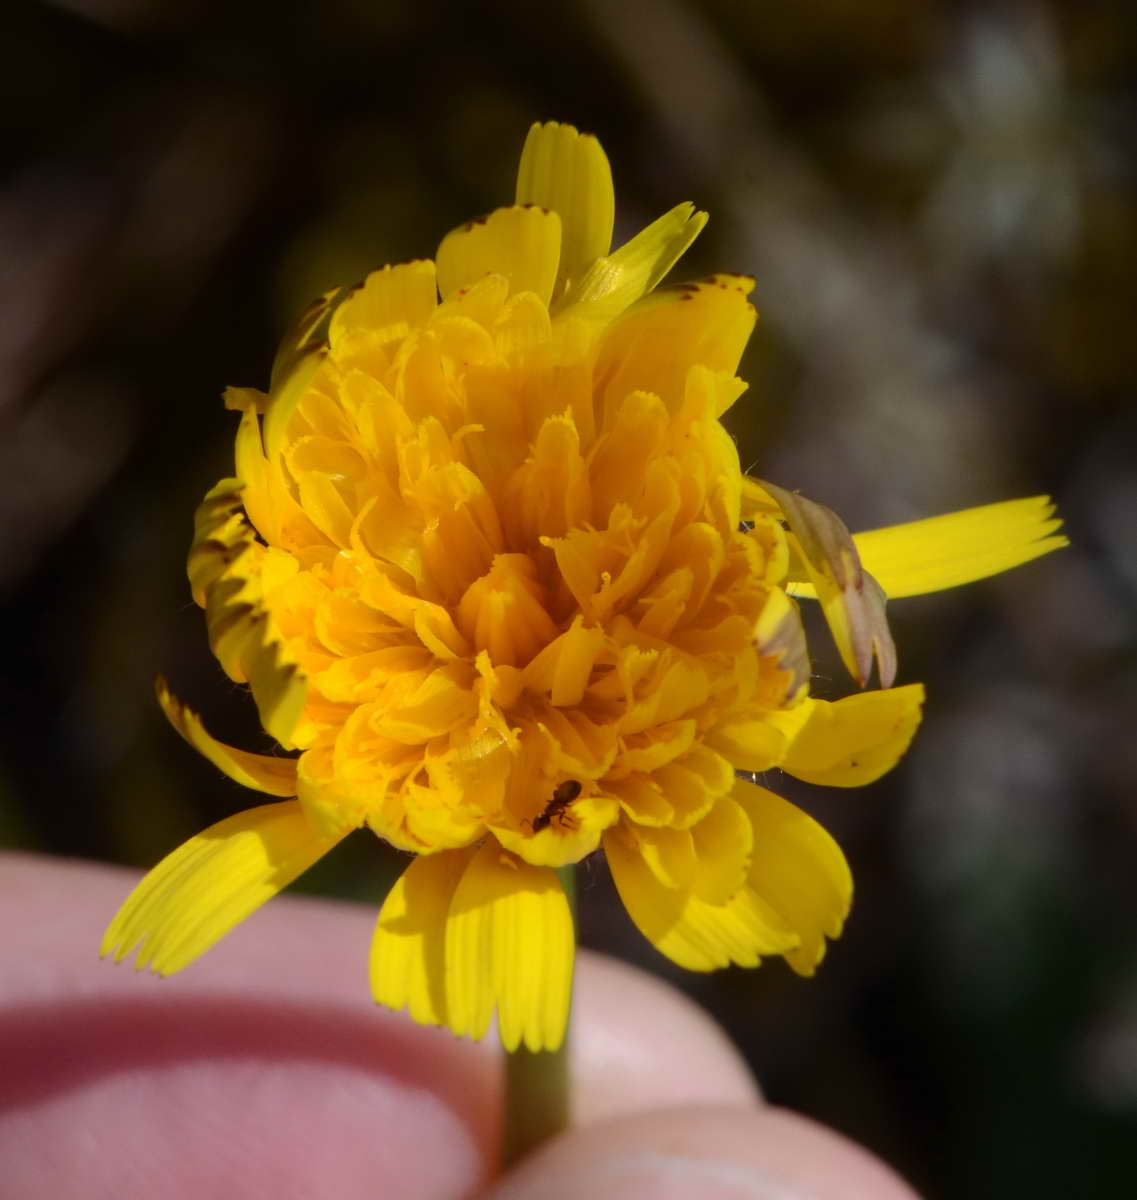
[490, 565]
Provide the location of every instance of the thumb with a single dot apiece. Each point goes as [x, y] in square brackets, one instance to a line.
[715, 1153]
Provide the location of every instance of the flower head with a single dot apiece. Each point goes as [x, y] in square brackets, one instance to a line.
[490, 566]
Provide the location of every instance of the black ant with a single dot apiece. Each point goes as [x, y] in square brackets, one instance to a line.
[563, 795]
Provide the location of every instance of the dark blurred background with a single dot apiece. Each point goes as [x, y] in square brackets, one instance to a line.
[938, 200]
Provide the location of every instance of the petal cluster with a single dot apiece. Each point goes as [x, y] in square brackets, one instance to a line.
[492, 571]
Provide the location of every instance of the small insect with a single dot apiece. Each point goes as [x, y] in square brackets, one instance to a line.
[563, 795]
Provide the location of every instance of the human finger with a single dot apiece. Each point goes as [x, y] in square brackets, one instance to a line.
[709, 1152]
[267, 1061]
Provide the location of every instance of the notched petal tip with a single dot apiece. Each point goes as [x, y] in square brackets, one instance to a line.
[466, 932]
[799, 870]
[408, 950]
[509, 944]
[567, 172]
[695, 934]
[522, 243]
[943, 552]
[208, 885]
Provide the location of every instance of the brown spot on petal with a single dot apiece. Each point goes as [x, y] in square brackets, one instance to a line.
[309, 334]
[787, 645]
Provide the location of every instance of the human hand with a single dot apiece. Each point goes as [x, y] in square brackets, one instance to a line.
[266, 1071]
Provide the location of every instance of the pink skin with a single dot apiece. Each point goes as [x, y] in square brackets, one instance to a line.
[264, 1070]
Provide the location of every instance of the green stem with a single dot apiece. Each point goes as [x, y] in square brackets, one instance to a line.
[537, 1084]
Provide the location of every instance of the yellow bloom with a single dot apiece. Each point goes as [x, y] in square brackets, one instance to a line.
[490, 566]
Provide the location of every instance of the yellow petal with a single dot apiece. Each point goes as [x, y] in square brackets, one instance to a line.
[522, 331]
[505, 611]
[723, 844]
[308, 335]
[568, 172]
[709, 860]
[408, 951]
[642, 800]
[938, 553]
[262, 499]
[799, 870]
[749, 738]
[563, 668]
[224, 566]
[669, 855]
[694, 782]
[957, 548]
[654, 345]
[278, 518]
[416, 708]
[656, 747]
[292, 377]
[243, 400]
[277, 776]
[195, 895]
[387, 306]
[689, 931]
[566, 835]
[614, 282]
[620, 458]
[780, 636]
[853, 741]
[509, 944]
[522, 244]
[549, 493]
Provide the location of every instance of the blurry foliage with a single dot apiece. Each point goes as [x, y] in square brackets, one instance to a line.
[938, 200]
